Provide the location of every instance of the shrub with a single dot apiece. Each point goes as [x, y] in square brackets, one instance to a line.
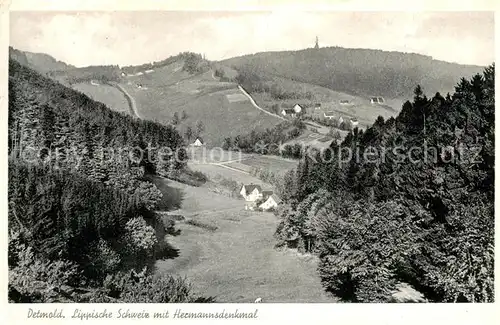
[140, 237]
[133, 287]
[103, 259]
[37, 279]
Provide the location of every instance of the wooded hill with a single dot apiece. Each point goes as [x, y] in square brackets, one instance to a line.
[421, 213]
[40, 62]
[78, 216]
[360, 72]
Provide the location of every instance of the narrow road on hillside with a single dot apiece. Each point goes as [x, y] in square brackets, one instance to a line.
[131, 101]
[257, 106]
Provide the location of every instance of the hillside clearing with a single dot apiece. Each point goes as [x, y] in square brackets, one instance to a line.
[220, 106]
[237, 261]
[105, 94]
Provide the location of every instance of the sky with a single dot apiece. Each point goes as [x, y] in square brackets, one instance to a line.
[130, 38]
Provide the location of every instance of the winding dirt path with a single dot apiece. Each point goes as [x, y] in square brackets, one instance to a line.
[257, 106]
[131, 101]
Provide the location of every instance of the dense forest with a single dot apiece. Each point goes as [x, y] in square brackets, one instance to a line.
[416, 206]
[193, 63]
[105, 73]
[362, 72]
[255, 81]
[270, 141]
[81, 211]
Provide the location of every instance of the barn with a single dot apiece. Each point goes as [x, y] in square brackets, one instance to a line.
[270, 203]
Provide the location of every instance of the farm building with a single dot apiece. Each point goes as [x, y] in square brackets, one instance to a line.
[255, 197]
[354, 122]
[94, 83]
[288, 112]
[149, 71]
[344, 102]
[271, 202]
[197, 143]
[317, 106]
[251, 192]
[341, 120]
[376, 100]
[329, 115]
[297, 108]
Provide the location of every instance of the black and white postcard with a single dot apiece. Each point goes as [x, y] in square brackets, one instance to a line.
[215, 163]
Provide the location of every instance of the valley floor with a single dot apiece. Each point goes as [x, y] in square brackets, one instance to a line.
[236, 262]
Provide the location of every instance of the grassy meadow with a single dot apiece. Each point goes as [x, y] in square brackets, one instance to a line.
[106, 94]
[229, 253]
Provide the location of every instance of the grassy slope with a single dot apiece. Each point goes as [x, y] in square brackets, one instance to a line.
[361, 109]
[237, 262]
[168, 90]
[106, 94]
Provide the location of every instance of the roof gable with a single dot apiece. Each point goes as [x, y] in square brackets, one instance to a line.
[276, 198]
[250, 188]
[267, 193]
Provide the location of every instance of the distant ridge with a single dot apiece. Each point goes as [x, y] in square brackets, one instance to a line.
[361, 72]
[40, 62]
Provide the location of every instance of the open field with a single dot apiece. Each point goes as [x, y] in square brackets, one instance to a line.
[236, 262]
[220, 106]
[217, 171]
[271, 163]
[106, 94]
[200, 158]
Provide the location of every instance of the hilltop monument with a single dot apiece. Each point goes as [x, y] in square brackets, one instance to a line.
[316, 46]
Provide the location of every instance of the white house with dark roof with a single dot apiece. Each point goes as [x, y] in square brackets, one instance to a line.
[255, 197]
[354, 122]
[251, 192]
[270, 202]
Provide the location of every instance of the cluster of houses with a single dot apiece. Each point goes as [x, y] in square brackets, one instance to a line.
[297, 109]
[140, 73]
[331, 116]
[256, 198]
